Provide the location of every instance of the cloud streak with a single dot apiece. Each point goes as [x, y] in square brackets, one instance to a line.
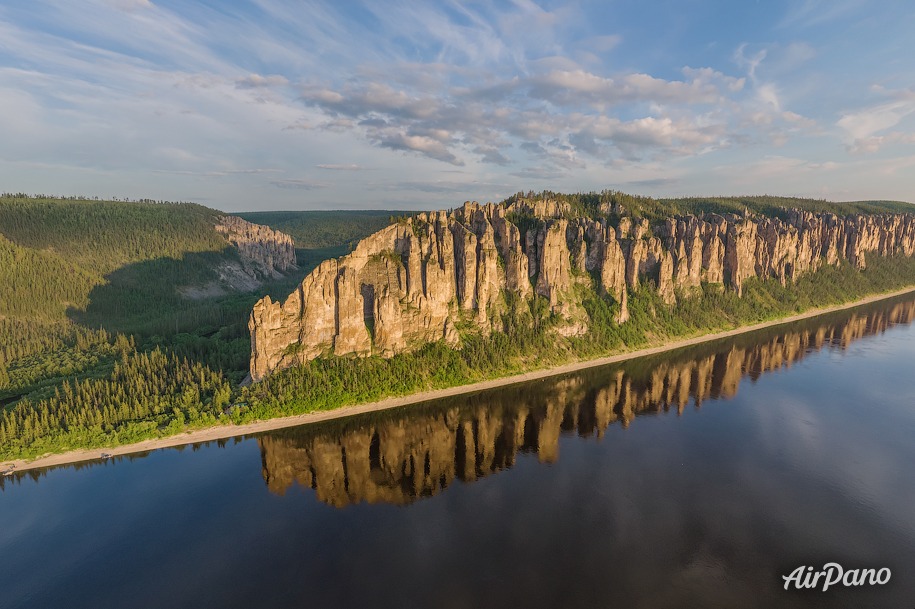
[557, 115]
[166, 99]
[867, 129]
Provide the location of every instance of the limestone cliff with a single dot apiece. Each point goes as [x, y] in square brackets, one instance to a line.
[260, 254]
[264, 252]
[419, 280]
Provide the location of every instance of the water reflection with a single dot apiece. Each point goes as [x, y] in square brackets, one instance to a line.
[398, 456]
[711, 509]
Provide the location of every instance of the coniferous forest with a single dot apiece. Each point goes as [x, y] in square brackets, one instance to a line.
[101, 345]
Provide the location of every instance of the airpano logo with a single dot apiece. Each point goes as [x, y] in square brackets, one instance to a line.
[833, 574]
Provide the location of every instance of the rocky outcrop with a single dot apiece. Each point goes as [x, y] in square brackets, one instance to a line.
[352, 335]
[262, 254]
[400, 458]
[607, 260]
[263, 251]
[555, 269]
[417, 281]
[740, 253]
[508, 238]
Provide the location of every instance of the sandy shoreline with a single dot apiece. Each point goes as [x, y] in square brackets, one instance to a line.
[229, 431]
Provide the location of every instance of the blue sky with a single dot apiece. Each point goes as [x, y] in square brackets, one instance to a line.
[273, 104]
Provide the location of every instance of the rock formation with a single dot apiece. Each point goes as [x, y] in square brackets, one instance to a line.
[417, 453]
[264, 252]
[419, 280]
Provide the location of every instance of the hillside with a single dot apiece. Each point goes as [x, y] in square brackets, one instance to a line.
[452, 298]
[75, 274]
[135, 345]
[60, 250]
[105, 235]
[66, 248]
[41, 283]
[143, 305]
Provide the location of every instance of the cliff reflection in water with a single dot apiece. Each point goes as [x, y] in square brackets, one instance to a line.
[400, 455]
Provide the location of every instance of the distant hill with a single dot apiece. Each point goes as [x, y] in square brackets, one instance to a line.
[160, 272]
[111, 264]
[102, 236]
[57, 251]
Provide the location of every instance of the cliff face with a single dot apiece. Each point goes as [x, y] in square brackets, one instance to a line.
[416, 281]
[264, 252]
[418, 454]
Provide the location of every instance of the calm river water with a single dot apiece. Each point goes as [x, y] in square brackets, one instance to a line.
[694, 479]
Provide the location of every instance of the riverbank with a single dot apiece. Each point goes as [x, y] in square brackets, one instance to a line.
[228, 431]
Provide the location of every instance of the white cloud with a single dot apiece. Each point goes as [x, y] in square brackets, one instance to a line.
[398, 140]
[751, 63]
[573, 87]
[340, 167]
[256, 81]
[558, 115]
[863, 126]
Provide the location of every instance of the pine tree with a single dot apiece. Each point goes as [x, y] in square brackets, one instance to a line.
[4, 374]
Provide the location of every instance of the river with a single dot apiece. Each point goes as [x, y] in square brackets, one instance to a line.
[694, 478]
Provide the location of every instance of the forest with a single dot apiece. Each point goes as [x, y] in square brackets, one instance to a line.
[613, 204]
[99, 348]
[316, 230]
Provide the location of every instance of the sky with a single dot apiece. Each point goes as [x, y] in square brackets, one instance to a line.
[295, 105]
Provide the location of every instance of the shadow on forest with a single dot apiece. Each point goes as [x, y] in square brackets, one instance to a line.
[143, 297]
[143, 300]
